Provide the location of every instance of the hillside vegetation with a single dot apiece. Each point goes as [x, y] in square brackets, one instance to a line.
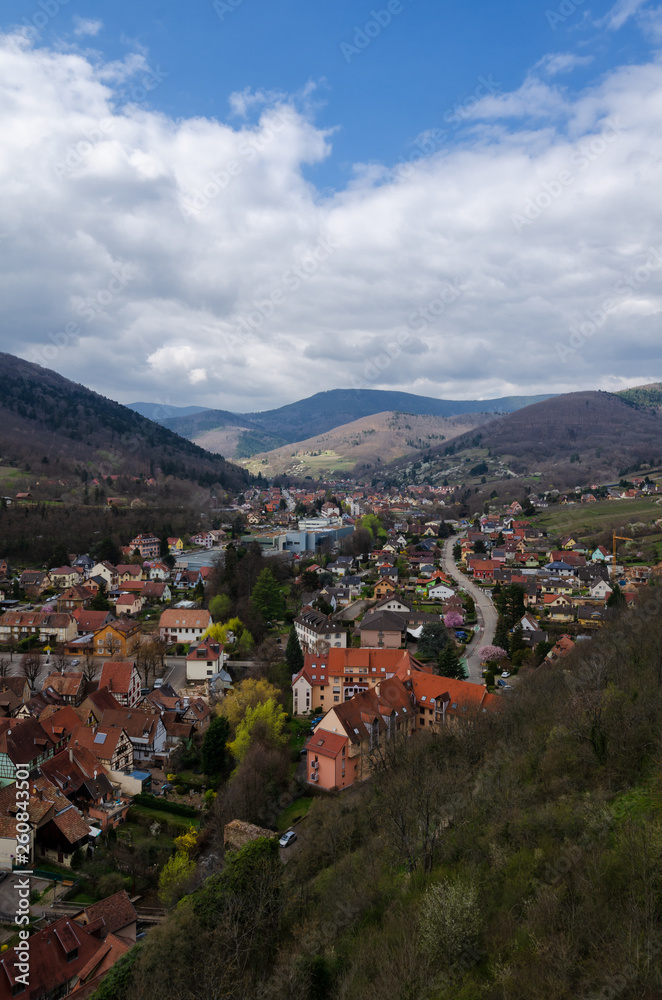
[644, 395]
[359, 445]
[50, 424]
[574, 439]
[518, 857]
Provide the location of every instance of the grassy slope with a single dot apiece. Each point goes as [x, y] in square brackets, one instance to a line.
[382, 437]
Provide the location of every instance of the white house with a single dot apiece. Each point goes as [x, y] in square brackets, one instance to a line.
[205, 660]
[184, 625]
[600, 591]
[441, 592]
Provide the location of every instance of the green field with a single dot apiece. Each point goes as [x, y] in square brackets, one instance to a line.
[588, 519]
[297, 810]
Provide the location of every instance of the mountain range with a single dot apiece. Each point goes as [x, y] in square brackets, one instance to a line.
[247, 434]
[51, 425]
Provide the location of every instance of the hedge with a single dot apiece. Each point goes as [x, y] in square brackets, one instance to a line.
[162, 805]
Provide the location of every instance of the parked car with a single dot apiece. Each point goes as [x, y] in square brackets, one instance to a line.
[506, 673]
[158, 683]
[74, 663]
[461, 635]
[316, 721]
[287, 838]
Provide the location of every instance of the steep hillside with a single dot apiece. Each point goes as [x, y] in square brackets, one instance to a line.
[567, 440]
[359, 445]
[56, 426]
[263, 431]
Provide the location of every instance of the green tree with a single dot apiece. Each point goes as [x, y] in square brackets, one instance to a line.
[517, 644]
[265, 722]
[372, 524]
[174, 877]
[617, 598]
[108, 551]
[510, 604]
[215, 756]
[220, 607]
[449, 663]
[432, 640]
[247, 694]
[100, 602]
[501, 636]
[59, 557]
[267, 596]
[293, 653]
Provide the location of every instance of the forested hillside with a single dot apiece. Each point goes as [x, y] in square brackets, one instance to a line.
[50, 424]
[518, 857]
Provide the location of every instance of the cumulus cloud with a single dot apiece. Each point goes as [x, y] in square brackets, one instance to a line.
[192, 260]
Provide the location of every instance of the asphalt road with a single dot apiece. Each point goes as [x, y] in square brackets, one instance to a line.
[485, 612]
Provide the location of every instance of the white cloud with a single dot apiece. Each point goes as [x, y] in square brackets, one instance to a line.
[562, 62]
[87, 26]
[621, 12]
[192, 260]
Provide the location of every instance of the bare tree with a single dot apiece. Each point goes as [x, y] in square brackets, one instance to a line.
[60, 659]
[90, 666]
[149, 659]
[30, 666]
[4, 666]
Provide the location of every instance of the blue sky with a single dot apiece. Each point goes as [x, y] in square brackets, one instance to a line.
[430, 59]
[240, 203]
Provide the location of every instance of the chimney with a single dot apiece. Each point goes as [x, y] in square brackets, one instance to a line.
[71, 753]
[378, 689]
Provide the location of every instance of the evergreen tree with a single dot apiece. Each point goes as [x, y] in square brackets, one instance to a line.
[501, 637]
[432, 640]
[100, 602]
[517, 640]
[230, 567]
[267, 596]
[617, 598]
[449, 663]
[510, 604]
[215, 754]
[293, 654]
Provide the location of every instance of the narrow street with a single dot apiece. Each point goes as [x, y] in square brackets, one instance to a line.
[485, 612]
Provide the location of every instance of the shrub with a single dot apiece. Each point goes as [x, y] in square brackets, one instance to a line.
[489, 679]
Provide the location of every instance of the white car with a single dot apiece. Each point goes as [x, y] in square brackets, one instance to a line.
[287, 838]
[506, 673]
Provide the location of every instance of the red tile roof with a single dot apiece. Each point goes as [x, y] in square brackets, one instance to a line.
[116, 676]
[326, 744]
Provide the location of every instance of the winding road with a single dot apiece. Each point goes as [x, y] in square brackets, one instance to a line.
[485, 611]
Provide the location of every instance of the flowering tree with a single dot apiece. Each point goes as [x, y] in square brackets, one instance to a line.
[453, 619]
[488, 653]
